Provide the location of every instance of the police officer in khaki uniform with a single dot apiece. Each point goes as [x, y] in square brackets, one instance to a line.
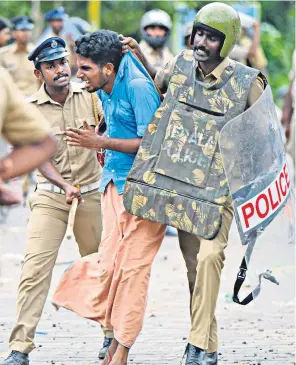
[56, 20]
[23, 126]
[65, 104]
[14, 57]
[156, 28]
[5, 26]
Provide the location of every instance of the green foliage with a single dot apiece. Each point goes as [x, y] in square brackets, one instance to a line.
[278, 40]
[10, 9]
[278, 51]
[124, 16]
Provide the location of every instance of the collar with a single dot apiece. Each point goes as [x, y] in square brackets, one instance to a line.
[217, 72]
[146, 48]
[42, 97]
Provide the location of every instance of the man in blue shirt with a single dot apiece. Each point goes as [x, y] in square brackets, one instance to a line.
[113, 283]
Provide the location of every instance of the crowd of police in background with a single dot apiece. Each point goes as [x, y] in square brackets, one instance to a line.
[155, 30]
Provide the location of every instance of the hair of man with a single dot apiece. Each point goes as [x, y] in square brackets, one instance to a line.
[102, 47]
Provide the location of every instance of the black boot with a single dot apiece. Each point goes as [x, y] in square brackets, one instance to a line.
[211, 358]
[106, 345]
[195, 355]
[16, 358]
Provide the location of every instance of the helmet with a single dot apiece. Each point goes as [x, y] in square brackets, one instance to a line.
[188, 29]
[222, 18]
[153, 18]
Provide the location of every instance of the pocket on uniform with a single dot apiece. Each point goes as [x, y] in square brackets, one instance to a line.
[124, 110]
[91, 121]
[189, 146]
[58, 136]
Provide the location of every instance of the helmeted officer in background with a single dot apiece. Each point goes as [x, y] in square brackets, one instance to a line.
[64, 104]
[187, 35]
[14, 57]
[5, 35]
[156, 28]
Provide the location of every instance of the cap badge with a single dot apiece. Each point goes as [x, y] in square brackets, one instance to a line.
[54, 44]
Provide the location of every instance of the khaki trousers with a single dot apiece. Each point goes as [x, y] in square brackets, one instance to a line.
[46, 230]
[204, 262]
[111, 287]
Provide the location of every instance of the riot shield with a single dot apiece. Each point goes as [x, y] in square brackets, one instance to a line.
[255, 165]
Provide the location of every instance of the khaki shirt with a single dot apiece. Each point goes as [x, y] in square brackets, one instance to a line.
[157, 58]
[20, 68]
[77, 165]
[20, 122]
[163, 76]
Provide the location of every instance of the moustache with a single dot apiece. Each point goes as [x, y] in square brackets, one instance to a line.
[59, 76]
[196, 48]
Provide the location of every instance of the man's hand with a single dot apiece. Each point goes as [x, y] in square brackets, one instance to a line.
[129, 43]
[72, 192]
[288, 132]
[8, 196]
[6, 167]
[86, 137]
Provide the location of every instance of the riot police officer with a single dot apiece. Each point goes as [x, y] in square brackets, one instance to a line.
[156, 28]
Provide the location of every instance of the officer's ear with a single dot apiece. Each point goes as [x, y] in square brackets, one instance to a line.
[38, 74]
[108, 69]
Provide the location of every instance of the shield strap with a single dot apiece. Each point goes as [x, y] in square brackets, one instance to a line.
[241, 276]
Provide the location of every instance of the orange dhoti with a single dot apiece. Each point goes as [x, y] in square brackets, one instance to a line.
[110, 286]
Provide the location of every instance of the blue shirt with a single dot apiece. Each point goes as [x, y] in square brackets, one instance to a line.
[128, 109]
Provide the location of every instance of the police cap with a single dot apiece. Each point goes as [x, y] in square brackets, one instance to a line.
[4, 23]
[51, 49]
[56, 14]
[22, 23]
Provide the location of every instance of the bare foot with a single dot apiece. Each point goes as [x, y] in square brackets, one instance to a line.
[110, 353]
[120, 356]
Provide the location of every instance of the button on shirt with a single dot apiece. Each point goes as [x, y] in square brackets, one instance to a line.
[77, 165]
[128, 109]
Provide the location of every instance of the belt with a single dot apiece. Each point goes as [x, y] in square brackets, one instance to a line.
[83, 189]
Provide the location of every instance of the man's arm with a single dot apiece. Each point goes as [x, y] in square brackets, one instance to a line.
[288, 110]
[256, 90]
[132, 45]
[26, 158]
[53, 175]
[144, 100]
[24, 127]
[88, 138]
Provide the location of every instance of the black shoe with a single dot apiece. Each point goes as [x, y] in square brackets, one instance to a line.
[195, 355]
[211, 358]
[106, 345]
[16, 358]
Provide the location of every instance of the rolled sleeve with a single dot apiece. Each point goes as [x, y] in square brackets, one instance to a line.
[256, 91]
[21, 122]
[145, 100]
[163, 76]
